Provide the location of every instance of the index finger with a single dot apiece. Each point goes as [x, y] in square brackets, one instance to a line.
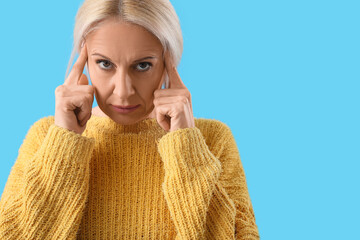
[78, 67]
[174, 77]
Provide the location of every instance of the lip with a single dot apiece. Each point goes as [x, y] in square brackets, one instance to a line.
[129, 106]
[125, 109]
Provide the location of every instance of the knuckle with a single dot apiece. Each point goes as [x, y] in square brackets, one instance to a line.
[188, 94]
[89, 96]
[179, 107]
[90, 89]
[156, 93]
[183, 99]
[59, 91]
[185, 92]
[65, 108]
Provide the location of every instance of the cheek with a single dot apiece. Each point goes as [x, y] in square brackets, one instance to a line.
[95, 74]
[99, 79]
[148, 80]
[100, 92]
[147, 86]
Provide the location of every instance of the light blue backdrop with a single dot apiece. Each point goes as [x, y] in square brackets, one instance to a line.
[284, 75]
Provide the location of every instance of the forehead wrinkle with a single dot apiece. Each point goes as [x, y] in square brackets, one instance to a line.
[129, 52]
[133, 57]
[110, 41]
[143, 47]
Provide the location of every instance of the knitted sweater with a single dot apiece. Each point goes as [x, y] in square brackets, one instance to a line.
[127, 182]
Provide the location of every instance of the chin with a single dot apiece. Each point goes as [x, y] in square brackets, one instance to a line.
[126, 119]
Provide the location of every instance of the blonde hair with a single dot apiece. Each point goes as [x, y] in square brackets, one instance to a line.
[157, 16]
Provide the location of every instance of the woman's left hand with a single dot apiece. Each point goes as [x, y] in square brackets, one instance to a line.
[173, 105]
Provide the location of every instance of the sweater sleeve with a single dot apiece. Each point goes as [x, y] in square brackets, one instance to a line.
[234, 184]
[196, 186]
[47, 188]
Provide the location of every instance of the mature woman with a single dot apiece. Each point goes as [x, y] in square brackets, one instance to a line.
[138, 166]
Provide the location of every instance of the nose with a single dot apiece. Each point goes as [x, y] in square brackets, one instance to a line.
[123, 84]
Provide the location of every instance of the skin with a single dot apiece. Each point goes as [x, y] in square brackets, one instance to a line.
[131, 72]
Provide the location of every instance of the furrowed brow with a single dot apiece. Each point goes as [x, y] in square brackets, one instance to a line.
[138, 60]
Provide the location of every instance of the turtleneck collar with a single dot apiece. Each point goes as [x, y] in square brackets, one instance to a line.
[108, 124]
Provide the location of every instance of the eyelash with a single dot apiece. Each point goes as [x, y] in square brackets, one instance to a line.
[108, 69]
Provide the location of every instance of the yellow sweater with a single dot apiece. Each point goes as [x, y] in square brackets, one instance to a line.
[127, 182]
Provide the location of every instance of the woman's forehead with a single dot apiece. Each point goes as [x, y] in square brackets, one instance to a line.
[119, 36]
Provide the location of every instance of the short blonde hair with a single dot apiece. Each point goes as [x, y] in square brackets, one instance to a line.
[157, 16]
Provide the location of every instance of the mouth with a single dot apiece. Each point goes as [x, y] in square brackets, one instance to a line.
[125, 109]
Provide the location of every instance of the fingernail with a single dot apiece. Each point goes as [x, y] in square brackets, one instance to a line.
[82, 44]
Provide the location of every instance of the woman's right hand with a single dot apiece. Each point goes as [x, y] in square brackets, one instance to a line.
[74, 98]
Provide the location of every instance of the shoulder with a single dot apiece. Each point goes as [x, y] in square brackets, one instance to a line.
[36, 133]
[211, 126]
[41, 126]
[44, 122]
[214, 131]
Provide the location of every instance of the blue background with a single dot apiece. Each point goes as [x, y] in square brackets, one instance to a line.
[284, 75]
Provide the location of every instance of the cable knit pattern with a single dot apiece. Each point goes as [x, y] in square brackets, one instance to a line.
[127, 182]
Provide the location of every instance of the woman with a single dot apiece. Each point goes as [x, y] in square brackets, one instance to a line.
[122, 172]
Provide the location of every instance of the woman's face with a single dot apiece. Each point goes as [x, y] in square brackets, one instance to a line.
[126, 66]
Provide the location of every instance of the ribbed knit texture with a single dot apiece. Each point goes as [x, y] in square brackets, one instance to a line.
[127, 182]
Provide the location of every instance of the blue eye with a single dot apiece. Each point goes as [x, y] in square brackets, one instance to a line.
[143, 66]
[106, 64]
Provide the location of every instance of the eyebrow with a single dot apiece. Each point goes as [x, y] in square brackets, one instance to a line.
[141, 59]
